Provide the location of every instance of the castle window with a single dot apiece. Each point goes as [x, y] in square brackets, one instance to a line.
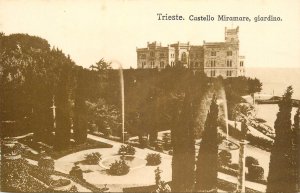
[152, 64]
[162, 64]
[213, 63]
[241, 63]
[143, 64]
[229, 53]
[183, 57]
[228, 73]
[229, 63]
[152, 54]
[213, 53]
[212, 73]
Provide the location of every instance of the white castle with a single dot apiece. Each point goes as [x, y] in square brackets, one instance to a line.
[214, 58]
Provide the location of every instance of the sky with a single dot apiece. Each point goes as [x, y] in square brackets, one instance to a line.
[91, 30]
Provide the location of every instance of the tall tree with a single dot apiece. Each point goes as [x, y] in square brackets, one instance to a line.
[295, 152]
[183, 162]
[280, 177]
[254, 85]
[206, 172]
[63, 130]
[80, 110]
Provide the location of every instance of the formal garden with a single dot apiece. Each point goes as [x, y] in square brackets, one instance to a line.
[64, 127]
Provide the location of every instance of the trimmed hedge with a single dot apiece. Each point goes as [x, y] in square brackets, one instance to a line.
[153, 159]
[118, 168]
[224, 158]
[250, 161]
[126, 150]
[255, 173]
[92, 158]
[76, 172]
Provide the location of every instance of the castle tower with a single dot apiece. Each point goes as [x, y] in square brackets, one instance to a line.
[232, 35]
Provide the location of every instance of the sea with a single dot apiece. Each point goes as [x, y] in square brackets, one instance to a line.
[274, 82]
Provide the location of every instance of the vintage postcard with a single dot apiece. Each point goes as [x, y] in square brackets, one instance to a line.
[150, 96]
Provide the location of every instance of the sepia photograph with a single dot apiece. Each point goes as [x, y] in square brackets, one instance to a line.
[150, 96]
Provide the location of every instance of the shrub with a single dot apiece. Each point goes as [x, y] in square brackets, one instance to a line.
[93, 158]
[161, 186]
[46, 163]
[60, 182]
[255, 172]
[159, 148]
[118, 168]
[153, 159]
[250, 161]
[224, 158]
[73, 189]
[234, 166]
[127, 150]
[76, 172]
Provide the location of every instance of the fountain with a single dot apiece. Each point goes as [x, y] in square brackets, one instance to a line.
[123, 103]
[122, 98]
[223, 95]
[227, 144]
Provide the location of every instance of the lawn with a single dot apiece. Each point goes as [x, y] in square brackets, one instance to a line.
[89, 144]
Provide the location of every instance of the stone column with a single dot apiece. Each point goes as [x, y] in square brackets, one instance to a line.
[54, 112]
[243, 142]
[241, 174]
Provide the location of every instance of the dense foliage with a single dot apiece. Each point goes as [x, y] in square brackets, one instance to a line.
[295, 151]
[34, 76]
[206, 177]
[92, 158]
[80, 109]
[15, 177]
[183, 134]
[29, 73]
[126, 150]
[46, 163]
[119, 168]
[282, 180]
[255, 173]
[160, 186]
[224, 158]
[153, 159]
[249, 161]
[76, 172]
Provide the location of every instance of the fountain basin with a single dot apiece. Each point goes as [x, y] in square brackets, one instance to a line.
[133, 162]
[228, 145]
